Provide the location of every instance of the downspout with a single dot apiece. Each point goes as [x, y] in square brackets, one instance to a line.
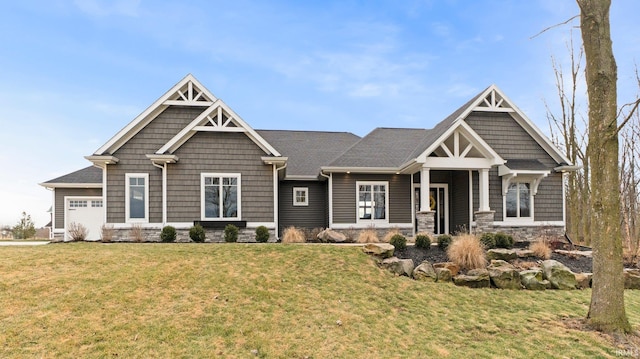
[164, 191]
[330, 180]
[276, 196]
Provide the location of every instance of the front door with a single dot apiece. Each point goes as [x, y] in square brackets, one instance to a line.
[439, 203]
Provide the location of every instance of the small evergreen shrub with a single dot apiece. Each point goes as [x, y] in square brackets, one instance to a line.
[368, 236]
[423, 241]
[503, 240]
[444, 240]
[467, 252]
[197, 233]
[230, 233]
[262, 234]
[488, 240]
[292, 235]
[398, 241]
[168, 234]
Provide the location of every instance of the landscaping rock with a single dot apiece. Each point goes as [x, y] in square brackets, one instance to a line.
[398, 266]
[443, 275]
[558, 275]
[502, 254]
[583, 280]
[425, 272]
[476, 278]
[504, 275]
[632, 279]
[380, 250]
[454, 268]
[331, 236]
[524, 253]
[532, 280]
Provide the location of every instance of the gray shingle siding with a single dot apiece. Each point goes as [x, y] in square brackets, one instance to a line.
[314, 215]
[511, 141]
[61, 193]
[459, 202]
[345, 191]
[216, 152]
[132, 156]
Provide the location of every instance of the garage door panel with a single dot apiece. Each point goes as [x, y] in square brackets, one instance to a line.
[86, 211]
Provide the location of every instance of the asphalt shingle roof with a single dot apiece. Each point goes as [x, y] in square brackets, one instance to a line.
[89, 174]
[308, 150]
[525, 164]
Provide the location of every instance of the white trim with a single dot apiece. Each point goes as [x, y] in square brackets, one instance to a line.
[330, 200]
[304, 203]
[446, 204]
[71, 185]
[197, 124]
[187, 225]
[368, 225]
[425, 180]
[104, 192]
[53, 211]
[532, 196]
[373, 221]
[127, 205]
[368, 170]
[414, 186]
[470, 198]
[237, 176]
[528, 223]
[446, 163]
[149, 114]
[564, 197]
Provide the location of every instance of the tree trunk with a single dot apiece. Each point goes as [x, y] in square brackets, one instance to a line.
[606, 311]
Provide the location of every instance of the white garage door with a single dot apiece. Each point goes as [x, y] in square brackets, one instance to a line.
[88, 211]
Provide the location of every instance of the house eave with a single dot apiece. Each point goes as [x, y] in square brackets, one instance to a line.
[374, 170]
[102, 160]
[302, 178]
[274, 160]
[568, 168]
[70, 185]
[162, 159]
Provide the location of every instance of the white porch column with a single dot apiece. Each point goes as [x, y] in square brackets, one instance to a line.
[483, 196]
[424, 190]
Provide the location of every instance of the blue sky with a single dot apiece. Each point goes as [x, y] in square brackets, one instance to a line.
[73, 73]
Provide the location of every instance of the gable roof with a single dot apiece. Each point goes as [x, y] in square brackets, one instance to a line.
[87, 177]
[307, 151]
[187, 92]
[382, 148]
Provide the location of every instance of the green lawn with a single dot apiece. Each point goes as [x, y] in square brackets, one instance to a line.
[95, 300]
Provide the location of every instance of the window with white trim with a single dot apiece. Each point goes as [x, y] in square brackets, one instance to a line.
[373, 198]
[300, 196]
[519, 200]
[137, 197]
[96, 203]
[220, 196]
[77, 204]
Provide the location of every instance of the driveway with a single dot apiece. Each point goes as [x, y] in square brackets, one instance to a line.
[23, 243]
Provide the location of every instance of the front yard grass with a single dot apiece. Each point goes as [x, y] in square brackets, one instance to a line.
[285, 301]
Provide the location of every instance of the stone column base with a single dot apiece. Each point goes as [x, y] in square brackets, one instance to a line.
[484, 221]
[426, 221]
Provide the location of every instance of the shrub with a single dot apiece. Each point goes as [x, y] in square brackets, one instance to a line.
[262, 234]
[467, 252]
[77, 232]
[368, 236]
[398, 241]
[106, 233]
[488, 240]
[197, 233]
[292, 235]
[136, 233]
[168, 234]
[540, 249]
[230, 233]
[423, 241]
[387, 237]
[503, 240]
[444, 240]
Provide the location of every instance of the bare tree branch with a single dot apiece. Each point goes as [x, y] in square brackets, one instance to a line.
[634, 105]
[554, 26]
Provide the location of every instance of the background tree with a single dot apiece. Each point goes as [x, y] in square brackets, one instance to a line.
[606, 310]
[25, 228]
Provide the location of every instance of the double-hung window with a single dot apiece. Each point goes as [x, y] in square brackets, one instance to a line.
[519, 201]
[373, 198]
[137, 197]
[220, 196]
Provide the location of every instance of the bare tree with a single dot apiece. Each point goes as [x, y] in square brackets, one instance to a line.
[606, 310]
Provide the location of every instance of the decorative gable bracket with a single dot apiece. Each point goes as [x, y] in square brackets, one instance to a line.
[493, 102]
[534, 176]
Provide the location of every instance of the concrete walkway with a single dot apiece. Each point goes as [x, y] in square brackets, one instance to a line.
[22, 243]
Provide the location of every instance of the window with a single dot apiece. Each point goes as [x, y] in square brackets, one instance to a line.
[300, 196]
[518, 201]
[220, 196]
[77, 204]
[137, 197]
[372, 201]
[96, 203]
